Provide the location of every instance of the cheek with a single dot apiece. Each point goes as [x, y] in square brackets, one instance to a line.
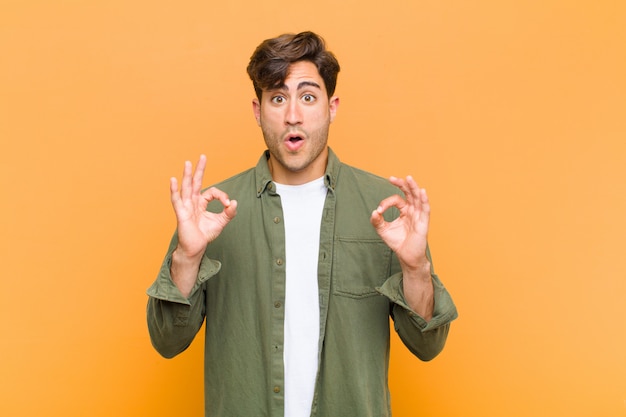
[271, 126]
[266, 123]
[320, 118]
[271, 116]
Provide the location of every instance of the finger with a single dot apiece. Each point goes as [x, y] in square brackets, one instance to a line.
[425, 201]
[409, 187]
[412, 191]
[392, 201]
[213, 193]
[174, 195]
[185, 191]
[412, 186]
[402, 185]
[398, 182]
[425, 213]
[198, 175]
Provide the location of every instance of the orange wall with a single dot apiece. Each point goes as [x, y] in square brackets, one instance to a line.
[511, 113]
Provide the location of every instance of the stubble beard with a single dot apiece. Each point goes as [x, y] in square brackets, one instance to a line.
[301, 159]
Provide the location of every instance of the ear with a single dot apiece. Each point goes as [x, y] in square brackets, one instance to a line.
[333, 104]
[256, 109]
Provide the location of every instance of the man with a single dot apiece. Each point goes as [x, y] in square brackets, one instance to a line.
[298, 274]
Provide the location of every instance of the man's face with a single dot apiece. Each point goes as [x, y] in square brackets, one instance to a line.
[295, 119]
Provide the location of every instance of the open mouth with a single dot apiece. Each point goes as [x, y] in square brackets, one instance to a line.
[294, 142]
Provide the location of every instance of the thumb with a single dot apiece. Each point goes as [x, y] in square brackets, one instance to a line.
[377, 218]
[230, 210]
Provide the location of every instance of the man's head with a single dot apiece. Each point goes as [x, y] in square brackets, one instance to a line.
[270, 62]
[294, 77]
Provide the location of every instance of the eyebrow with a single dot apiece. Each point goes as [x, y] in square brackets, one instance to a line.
[301, 85]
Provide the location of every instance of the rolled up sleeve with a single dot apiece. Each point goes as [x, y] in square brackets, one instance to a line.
[173, 319]
[424, 339]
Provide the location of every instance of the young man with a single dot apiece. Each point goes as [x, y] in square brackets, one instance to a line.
[298, 273]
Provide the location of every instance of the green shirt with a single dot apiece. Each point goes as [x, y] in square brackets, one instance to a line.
[240, 292]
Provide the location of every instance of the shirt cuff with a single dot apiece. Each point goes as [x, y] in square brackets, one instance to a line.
[164, 288]
[444, 310]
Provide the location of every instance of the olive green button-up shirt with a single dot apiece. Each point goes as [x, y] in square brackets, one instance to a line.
[240, 292]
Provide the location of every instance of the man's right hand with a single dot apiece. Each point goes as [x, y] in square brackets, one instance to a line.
[196, 226]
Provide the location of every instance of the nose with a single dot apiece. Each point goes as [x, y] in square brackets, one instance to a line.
[293, 115]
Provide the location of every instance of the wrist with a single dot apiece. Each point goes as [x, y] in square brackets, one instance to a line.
[184, 270]
[181, 257]
[419, 270]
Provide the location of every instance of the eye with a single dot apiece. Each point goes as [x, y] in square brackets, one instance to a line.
[308, 98]
[278, 99]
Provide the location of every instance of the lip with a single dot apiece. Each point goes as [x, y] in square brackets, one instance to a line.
[292, 144]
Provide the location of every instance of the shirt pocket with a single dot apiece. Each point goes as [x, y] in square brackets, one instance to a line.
[360, 266]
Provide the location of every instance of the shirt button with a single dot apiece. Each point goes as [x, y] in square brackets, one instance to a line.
[277, 304]
[276, 220]
[276, 389]
[279, 261]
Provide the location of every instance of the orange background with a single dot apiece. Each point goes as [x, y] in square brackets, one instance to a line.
[511, 113]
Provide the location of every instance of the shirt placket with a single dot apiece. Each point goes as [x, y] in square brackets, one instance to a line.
[274, 224]
[324, 269]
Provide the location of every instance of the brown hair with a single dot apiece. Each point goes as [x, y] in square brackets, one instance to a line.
[269, 64]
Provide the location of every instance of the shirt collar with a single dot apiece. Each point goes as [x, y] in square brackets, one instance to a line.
[264, 178]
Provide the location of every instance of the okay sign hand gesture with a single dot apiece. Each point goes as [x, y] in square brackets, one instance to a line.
[197, 227]
[406, 235]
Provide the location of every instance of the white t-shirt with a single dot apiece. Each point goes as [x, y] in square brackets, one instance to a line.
[302, 209]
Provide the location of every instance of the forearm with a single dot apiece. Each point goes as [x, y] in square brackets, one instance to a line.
[418, 289]
[184, 271]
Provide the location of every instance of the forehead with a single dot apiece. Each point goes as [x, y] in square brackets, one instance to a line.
[303, 71]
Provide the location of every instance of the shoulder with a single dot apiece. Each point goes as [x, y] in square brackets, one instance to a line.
[355, 178]
[240, 187]
[236, 181]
